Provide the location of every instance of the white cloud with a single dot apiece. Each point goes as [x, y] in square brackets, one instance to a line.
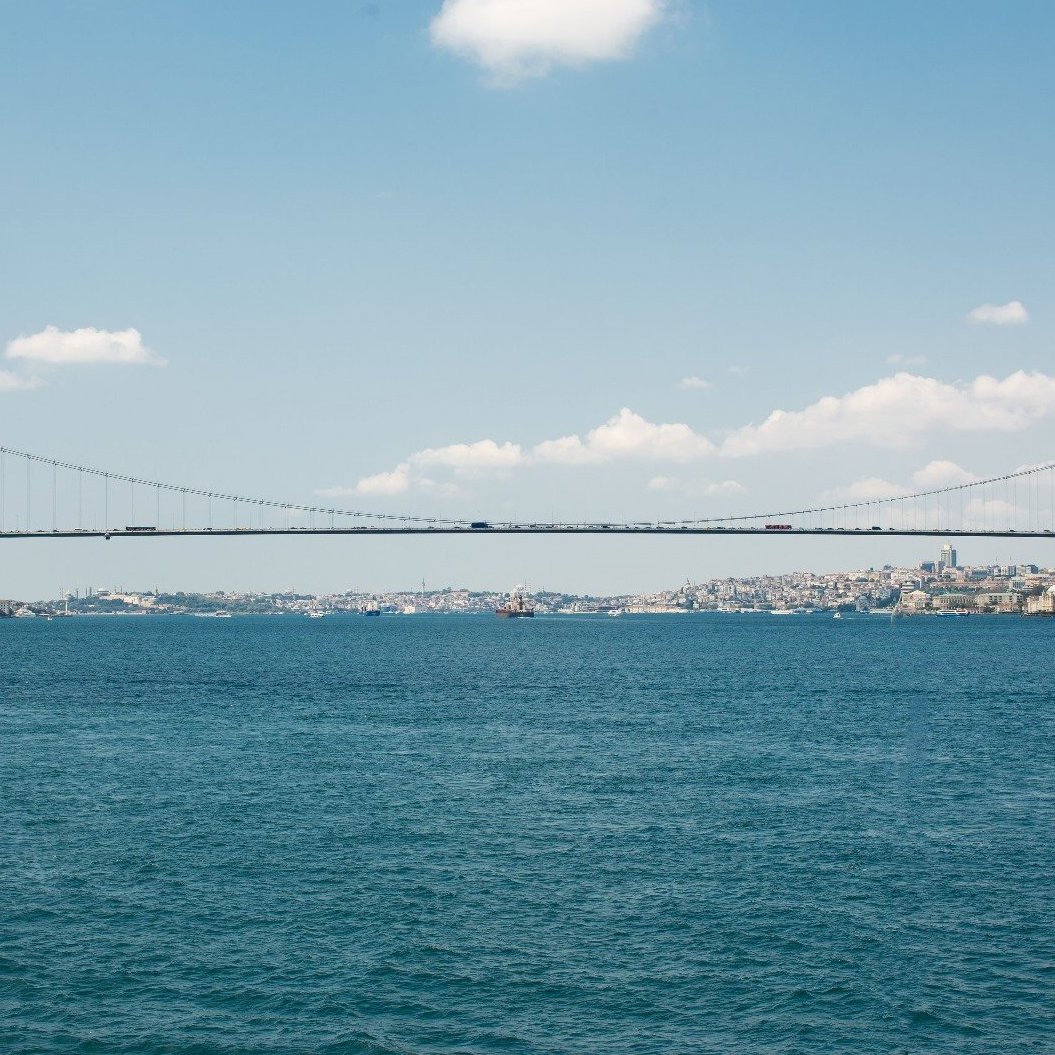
[906, 360]
[88, 345]
[1013, 313]
[725, 487]
[12, 382]
[933, 476]
[482, 456]
[867, 489]
[627, 436]
[688, 383]
[515, 39]
[392, 483]
[695, 488]
[463, 458]
[567, 450]
[894, 410]
[940, 474]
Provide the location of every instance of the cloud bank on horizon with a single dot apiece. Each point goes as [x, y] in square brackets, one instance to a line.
[514, 40]
[891, 413]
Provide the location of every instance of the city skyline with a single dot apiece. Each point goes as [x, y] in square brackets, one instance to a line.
[930, 587]
[667, 260]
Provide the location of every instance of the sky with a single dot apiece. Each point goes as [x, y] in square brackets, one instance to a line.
[575, 259]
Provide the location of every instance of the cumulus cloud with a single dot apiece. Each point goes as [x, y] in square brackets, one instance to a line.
[12, 382]
[624, 437]
[893, 411]
[1013, 313]
[931, 477]
[627, 436]
[867, 489]
[696, 488]
[689, 383]
[57, 347]
[940, 474]
[516, 39]
[391, 483]
[482, 456]
[464, 459]
[725, 487]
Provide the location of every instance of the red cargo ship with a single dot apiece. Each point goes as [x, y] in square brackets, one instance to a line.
[517, 607]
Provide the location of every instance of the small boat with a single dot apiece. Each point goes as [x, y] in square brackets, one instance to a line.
[838, 615]
[517, 607]
[616, 612]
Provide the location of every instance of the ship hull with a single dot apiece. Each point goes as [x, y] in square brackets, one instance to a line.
[505, 613]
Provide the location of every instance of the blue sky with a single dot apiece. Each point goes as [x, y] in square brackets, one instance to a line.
[357, 232]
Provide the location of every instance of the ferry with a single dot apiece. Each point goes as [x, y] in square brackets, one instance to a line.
[517, 607]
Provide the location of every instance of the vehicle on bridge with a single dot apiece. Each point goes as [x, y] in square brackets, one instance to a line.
[778, 527]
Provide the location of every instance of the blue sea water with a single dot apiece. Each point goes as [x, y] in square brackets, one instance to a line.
[656, 834]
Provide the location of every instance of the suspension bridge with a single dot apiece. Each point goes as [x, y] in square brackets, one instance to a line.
[45, 498]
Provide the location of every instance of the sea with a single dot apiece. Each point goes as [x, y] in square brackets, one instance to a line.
[652, 834]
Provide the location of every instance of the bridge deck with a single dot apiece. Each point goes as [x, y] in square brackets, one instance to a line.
[512, 529]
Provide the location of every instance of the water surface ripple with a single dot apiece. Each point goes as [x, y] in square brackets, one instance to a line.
[416, 835]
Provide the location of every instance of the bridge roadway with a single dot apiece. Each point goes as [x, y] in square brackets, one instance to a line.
[523, 529]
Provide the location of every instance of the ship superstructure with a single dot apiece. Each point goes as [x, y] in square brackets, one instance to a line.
[519, 606]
